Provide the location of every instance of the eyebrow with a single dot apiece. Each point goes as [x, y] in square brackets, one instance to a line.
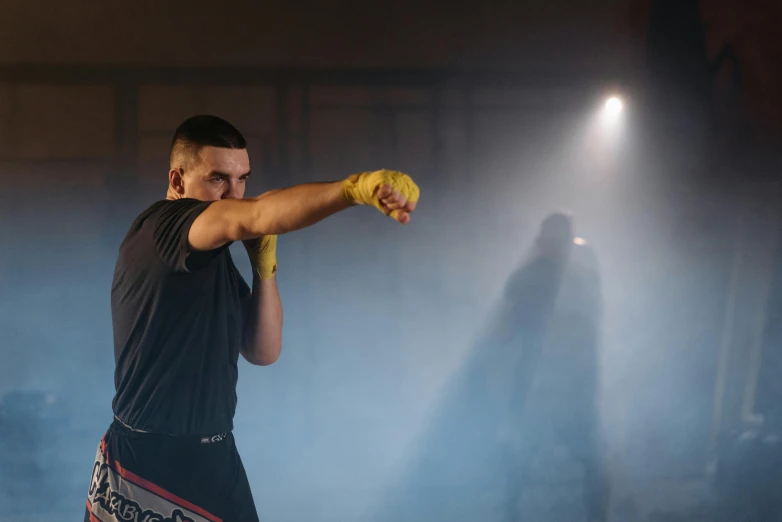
[218, 173]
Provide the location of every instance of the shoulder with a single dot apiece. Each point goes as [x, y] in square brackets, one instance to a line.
[164, 206]
[175, 207]
[145, 214]
[167, 213]
[138, 223]
[162, 217]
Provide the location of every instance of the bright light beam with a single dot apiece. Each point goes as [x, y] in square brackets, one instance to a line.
[612, 110]
[613, 106]
[611, 113]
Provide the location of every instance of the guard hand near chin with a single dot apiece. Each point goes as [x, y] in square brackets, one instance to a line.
[393, 193]
[263, 255]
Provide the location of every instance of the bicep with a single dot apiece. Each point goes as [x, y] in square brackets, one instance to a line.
[223, 222]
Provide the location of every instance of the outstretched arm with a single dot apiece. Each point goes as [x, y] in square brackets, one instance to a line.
[297, 207]
[272, 213]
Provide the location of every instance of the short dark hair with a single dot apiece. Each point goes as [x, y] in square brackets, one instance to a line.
[201, 131]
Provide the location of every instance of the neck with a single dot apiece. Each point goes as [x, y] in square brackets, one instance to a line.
[171, 194]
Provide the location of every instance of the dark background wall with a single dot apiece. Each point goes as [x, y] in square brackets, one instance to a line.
[491, 108]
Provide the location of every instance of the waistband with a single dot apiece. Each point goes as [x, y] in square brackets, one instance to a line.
[118, 426]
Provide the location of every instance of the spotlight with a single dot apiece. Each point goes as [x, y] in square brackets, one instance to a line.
[611, 112]
[613, 107]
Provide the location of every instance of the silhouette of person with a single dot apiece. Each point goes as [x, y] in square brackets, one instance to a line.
[550, 326]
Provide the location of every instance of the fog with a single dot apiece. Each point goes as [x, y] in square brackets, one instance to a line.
[378, 408]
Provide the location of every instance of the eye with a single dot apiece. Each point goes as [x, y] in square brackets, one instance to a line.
[216, 179]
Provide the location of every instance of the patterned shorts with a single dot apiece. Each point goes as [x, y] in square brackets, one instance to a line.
[143, 477]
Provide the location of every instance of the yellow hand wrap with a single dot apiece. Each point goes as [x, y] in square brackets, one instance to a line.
[263, 255]
[362, 188]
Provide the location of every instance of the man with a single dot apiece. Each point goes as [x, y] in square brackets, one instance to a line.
[552, 320]
[182, 314]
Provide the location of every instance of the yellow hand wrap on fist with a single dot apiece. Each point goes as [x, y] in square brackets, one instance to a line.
[364, 189]
[263, 255]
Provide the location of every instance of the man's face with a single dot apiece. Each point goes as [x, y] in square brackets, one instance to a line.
[220, 174]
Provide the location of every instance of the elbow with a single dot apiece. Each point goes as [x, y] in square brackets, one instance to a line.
[266, 360]
[264, 357]
[263, 360]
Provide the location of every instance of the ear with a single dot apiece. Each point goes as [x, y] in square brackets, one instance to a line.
[176, 181]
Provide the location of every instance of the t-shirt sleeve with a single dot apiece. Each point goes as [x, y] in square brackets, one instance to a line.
[170, 228]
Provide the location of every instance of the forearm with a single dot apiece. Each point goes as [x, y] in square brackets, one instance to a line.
[263, 323]
[294, 208]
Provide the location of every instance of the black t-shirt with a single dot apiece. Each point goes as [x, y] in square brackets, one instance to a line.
[177, 326]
